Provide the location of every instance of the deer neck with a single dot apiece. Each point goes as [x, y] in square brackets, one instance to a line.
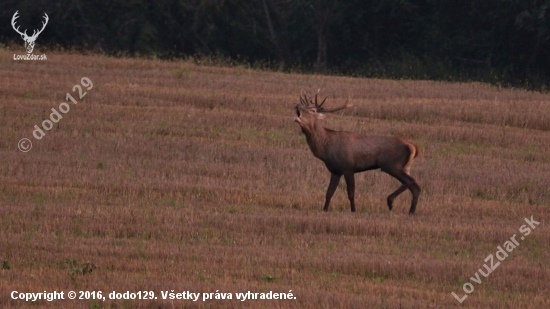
[317, 140]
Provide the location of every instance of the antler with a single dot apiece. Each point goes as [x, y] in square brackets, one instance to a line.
[319, 107]
[34, 33]
[348, 104]
[43, 26]
[303, 99]
[15, 16]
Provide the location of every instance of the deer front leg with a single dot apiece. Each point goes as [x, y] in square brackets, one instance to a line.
[334, 180]
[350, 182]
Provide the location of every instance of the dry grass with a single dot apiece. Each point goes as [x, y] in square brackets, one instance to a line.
[174, 176]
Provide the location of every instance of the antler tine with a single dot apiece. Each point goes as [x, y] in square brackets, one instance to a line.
[316, 105]
[303, 98]
[16, 16]
[308, 101]
[302, 102]
[320, 105]
[348, 104]
[44, 23]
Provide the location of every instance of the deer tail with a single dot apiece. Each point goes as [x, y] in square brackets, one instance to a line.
[417, 150]
[414, 152]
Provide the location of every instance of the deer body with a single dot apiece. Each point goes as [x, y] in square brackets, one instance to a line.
[346, 153]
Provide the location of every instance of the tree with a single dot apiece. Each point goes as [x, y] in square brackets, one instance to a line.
[323, 11]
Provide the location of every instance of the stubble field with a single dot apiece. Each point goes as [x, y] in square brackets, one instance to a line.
[176, 176]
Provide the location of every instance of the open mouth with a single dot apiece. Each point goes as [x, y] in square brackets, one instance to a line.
[297, 111]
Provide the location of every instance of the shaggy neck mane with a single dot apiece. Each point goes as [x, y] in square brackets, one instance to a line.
[317, 140]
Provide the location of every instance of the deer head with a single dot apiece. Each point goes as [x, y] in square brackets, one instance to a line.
[29, 40]
[308, 111]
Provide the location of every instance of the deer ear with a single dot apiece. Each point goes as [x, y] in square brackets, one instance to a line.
[321, 115]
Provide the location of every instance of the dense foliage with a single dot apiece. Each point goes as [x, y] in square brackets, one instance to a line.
[505, 41]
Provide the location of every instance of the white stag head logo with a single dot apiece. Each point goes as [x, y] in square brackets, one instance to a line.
[29, 40]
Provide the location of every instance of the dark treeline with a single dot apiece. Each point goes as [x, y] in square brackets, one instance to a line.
[505, 41]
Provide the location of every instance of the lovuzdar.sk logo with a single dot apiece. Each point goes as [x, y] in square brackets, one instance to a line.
[29, 40]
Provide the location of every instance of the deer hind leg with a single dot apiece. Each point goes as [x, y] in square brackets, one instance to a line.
[407, 182]
[392, 196]
[415, 190]
[334, 180]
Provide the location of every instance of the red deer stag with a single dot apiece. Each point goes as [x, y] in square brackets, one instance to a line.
[347, 153]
